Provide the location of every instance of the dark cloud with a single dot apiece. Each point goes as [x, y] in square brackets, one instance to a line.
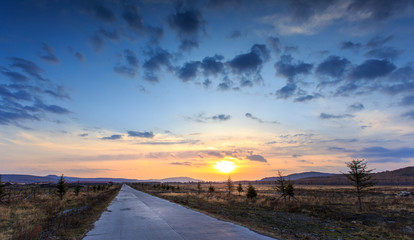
[80, 56]
[141, 134]
[407, 101]
[258, 158]
[307, 98]
[188, 71]
[131, 67]
[155, 33]
[344, 90]
[187, 23]
[287, 91]
[371, 69]
[49, 108]
[97, 42]
[356, 107]
[14, 76]
[110, 35]
[83, 135]
[58, 92]
[378, 41]
[285, 67]
[48, 54]
[98, 10]
[249, 115]
[235, 34]
[384, 53]
[113, 137]
[333, 66]
[28, 67]
[350, 45]
[158, 58]
[212, 65]
[250, 62]
[221, 117]
[382, 154]
[132, 17]
[302, 11]
[331, 116]
[207, 83]
[223, 3]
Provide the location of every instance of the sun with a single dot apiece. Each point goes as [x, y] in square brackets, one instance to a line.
[225, 166]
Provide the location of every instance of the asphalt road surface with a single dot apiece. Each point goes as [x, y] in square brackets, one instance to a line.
[137, 215]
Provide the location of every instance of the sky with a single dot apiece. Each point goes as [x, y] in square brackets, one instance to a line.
[155, 89]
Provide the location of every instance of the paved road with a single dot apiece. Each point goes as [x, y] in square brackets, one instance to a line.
[137, 215]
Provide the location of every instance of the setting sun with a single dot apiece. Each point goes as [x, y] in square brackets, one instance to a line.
[225, 166]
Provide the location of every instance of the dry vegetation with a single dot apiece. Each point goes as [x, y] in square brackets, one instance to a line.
[36, 212]
[317, 212]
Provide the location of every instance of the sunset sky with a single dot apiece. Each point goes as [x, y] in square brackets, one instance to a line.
[155, 89]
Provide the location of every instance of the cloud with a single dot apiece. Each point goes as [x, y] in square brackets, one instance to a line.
[384, 53]
[187, 23]
[132, 17]
[155, 33]
[14, 76]
[98, 10]
[275, 44]
[214, 154]
[356, 107]
[77, 55]
[333, 67]
[141, 134]
[331, 116]
[49, 108]
[129, 69]
[188, 71]
[113, 137]
[378, 11]
[181, 163]
[378, 41]
[258, 158]
[48, 54]
[407, 101]
[110, 35]
[221, 117]
[186, 141]
[307, 98]
[371, 69]
[287, 91]
[201, 118]
[409, 114]
[249, 115]
[286, 68]
[212, 65]
[350, 45]
[250, 62]
[97, 42]
[381, 154]
[158, 58]
[83, 135]
[28, 67]
[235, 34]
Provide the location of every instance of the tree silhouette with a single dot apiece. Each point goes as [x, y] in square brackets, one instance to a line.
[61, 187]
[240, 188]
[360, 177]
[251, 192]
[77, 188]
[229, 185]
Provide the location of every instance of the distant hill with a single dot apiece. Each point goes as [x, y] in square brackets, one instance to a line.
[402, 176]
[175, 179]
[296, 176]
[27, 179]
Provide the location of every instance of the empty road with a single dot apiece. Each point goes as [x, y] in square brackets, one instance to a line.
[137, 215]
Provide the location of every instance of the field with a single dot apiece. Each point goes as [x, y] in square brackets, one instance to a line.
[36, 211]
[316, 212]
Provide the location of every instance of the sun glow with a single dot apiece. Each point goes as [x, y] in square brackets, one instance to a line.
[225, 166]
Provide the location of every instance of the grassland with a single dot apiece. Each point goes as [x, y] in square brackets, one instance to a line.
[317, 212]
[36, 212]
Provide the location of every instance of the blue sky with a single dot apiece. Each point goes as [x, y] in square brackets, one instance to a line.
[152, 89]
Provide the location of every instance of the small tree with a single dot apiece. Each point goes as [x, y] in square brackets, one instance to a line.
[61, 187]
[77, 188]
[2, 190]
[290, 190]
[281, 186]
[229, 185]
[251, 192]
[211, 189]
[199, 188]
[240, 188]
[360, 177]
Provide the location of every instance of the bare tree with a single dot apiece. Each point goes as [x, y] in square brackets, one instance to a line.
[281, 186]
[360, 177]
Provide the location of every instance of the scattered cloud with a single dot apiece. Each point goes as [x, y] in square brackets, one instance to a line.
[112, 137]
[157, 59]
[350, 45]
[48, 54]
[258, 158]
[356, 107]
[130, 66]
[141, 134]
[331, 116]
[371, 69]
[249, 115]
[201, 118]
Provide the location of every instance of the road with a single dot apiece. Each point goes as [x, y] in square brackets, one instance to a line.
[137, 215]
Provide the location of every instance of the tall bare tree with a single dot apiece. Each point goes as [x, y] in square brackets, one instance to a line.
[229, 185]
[360, 177]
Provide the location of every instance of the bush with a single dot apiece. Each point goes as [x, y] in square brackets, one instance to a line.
[251, 192]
